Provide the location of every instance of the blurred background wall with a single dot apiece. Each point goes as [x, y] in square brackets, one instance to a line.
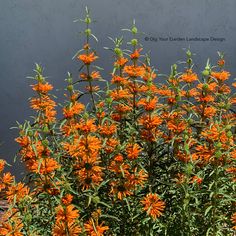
[43, 32]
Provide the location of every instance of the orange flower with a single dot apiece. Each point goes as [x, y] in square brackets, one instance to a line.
[136, 54]
[148, 104]
[89, 172]
[233, 220]
[111, 143]
[189, 76]
[177, 126]
[153, 205]
[190, 93]
[2, 165]
[17, 192]
[64, 229]
[203, 153]
[87, 126]
[137, 177]
[209, 111]
[224, 89]
[66, 214]
[107, 129]
[149, 74]
[119, 94]
[23, 141]
[121, 108]
[42, 103]
[46, 166]
[90, 144]
[73, 109]
[87, 58]
[7, 178]
[221, 76]
[118, 80]
[69, 127]
[94, 75]
[134, 71]
[92, 88]
[94, 229]
[150, 122]
[117, 166]
[133, 150]
[42, 87]
[206, 98]
[67, 199]
[120, 189]
[164, 91]
[121, 62]
[221, 62]
[12, 228]
[208, 87]
[196, 179]
[46, 105]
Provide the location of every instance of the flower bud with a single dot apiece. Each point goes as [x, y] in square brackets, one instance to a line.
[96, 199]
[229, 134]
[218, 145]
[134, 42]
[205, 86]
[206, 73]
[69, 80]
[45, 142]
[189, 61]
[40, 78]
[134, 30]
[28, 218]
[70, 88]
[218, 154]
[45, 129]
[88, 31]
[188, 53]
[30, 133]
[118, 51]
[87, 20]
[109, 100]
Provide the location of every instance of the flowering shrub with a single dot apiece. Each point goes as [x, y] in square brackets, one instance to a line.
[143, 158]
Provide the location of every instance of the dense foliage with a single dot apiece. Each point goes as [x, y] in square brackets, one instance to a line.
[149, 155]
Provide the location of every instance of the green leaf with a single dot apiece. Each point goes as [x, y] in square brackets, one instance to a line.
[207, 210]
[110, 216]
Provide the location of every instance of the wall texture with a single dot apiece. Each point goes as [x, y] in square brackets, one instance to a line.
[43, 31]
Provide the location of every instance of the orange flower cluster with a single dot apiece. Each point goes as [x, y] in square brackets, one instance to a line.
[153, 205]
[36, 155]
[6, 179]
[220, 76]
[85, 151]
[126, 178]
[12, 227]
[87, 58]
[115, 154]
[43, 103]
[92, 227]
[189, 76]
[66, 221]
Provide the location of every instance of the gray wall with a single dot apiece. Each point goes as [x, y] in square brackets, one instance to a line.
[43, 31]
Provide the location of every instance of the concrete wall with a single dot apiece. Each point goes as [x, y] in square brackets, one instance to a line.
[43, 31]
